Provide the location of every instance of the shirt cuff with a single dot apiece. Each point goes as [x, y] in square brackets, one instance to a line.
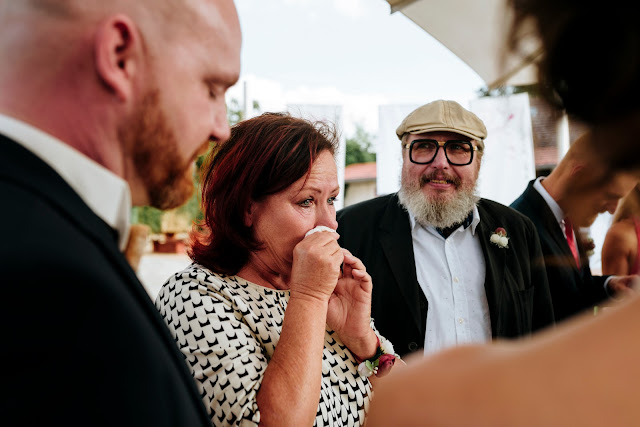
[606, 288]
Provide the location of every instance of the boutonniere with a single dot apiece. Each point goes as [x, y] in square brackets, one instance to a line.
[499, 238]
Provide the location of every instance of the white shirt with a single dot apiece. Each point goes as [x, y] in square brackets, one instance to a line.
[451, 274]
[553, 205]
[106, 194]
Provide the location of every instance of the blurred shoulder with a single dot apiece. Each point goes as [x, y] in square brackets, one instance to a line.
[526, 199]
[622, 232]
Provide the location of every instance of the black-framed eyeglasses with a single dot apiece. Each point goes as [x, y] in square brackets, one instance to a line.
[424, 151]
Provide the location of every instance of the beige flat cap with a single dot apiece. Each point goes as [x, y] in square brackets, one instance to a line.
[443, 115]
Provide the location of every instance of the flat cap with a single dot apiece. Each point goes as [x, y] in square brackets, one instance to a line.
[443, 115]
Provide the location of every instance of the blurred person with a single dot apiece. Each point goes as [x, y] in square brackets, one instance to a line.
[275, 331]
[621, 248]
[584, 371]
[102, 104]
[570, 198]
[449, 268]
[591, 74]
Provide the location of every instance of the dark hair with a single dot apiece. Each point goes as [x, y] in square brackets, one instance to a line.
[591, 61]
[263, 156]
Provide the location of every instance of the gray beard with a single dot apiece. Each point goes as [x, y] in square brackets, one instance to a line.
[440, 213]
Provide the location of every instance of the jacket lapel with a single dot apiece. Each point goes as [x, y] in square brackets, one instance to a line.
[562, 255]
[45, 182]
[397, 245]
[495, 263]
[42, 180]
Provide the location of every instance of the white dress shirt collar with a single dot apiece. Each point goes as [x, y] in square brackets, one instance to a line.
[553, 205]
[105, 193]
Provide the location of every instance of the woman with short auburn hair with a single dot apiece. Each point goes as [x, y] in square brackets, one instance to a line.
[274, 318]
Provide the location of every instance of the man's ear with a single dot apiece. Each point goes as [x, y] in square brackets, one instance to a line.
[577, 169]
[118, 48]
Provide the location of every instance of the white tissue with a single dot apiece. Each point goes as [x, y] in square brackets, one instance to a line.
[319, 228]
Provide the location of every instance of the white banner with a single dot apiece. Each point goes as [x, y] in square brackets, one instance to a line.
[508, 163]
[333, 114]
[388, 150]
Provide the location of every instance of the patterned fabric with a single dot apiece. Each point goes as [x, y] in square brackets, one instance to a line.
[228, 329]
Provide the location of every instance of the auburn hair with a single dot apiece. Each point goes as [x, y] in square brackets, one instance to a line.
[263, 156]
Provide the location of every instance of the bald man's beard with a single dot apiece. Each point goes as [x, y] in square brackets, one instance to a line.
[165, 175]
[441, 211]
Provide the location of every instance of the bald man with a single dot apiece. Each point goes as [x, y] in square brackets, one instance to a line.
[572, 196]
[103, 104]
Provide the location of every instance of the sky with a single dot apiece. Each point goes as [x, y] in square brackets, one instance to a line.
[352, 53]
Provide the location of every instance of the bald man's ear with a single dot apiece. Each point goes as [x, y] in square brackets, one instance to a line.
[577, 168]
[118, 48]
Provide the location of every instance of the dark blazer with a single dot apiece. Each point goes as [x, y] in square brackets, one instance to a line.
[378, 232]
[572, 289]
[82, 343]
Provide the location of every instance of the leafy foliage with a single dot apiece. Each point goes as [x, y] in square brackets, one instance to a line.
[359, 148]
[532, 89]
[235, 112]
[147, 215]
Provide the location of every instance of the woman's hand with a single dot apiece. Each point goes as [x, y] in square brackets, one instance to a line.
[294, 372]
[349, 311]
[316, 266]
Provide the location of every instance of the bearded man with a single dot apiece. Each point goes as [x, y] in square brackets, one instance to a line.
[448, 268]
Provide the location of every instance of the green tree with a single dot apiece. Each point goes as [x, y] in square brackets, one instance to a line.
[235, 112]
[359, 148]
[147, 215]
[532, 89]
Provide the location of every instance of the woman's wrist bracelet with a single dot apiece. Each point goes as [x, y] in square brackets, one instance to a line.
[381, 362]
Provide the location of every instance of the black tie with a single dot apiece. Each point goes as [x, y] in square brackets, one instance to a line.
[446, 232]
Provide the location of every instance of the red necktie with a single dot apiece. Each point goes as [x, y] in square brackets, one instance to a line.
[571, 240]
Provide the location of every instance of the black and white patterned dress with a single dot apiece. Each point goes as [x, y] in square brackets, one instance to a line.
[228, 329]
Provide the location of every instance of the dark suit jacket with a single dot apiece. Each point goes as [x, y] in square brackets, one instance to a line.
[572, 289]
[82, 341]
[378, 232]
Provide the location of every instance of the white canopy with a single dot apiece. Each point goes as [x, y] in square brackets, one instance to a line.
[475, 31]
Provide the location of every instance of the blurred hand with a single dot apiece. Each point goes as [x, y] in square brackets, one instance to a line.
[316, 266]
[589, 246]
[622, 286]
[349, 311]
